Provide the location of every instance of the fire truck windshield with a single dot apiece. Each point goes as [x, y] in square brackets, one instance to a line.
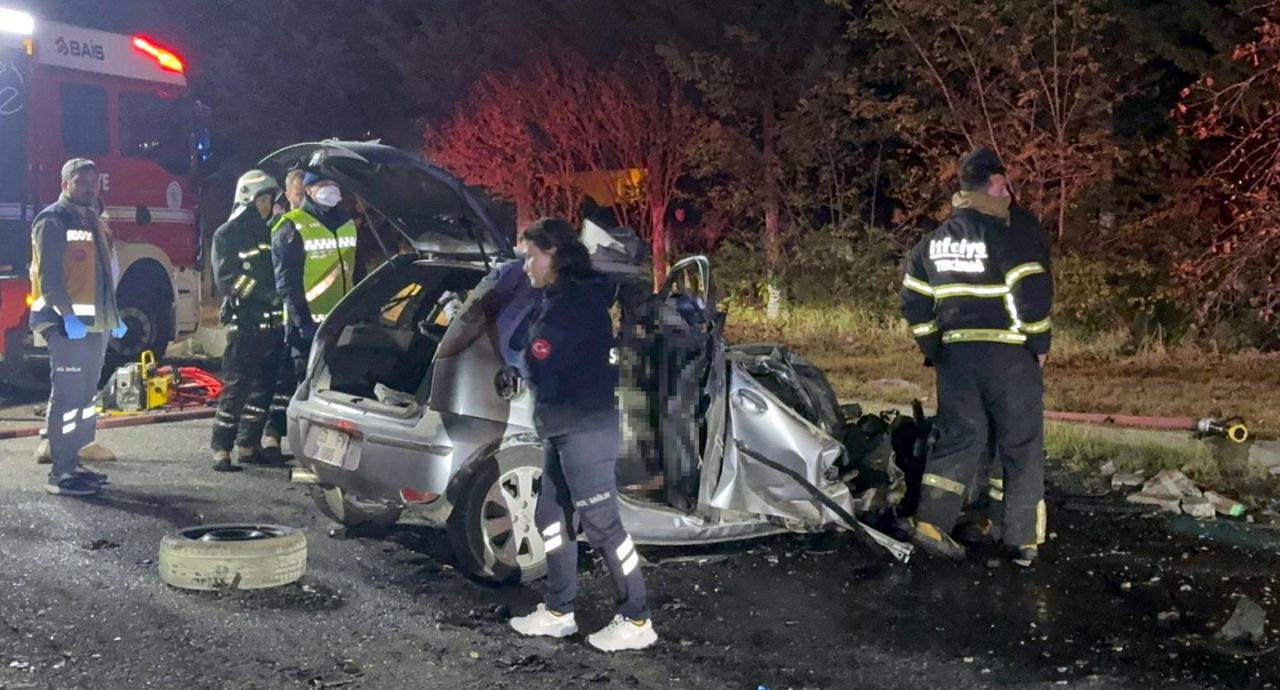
[155, 127]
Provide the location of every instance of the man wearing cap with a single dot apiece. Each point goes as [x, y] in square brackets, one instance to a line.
[74, 270]
[977, 294]
[313, 248]
[252, 314]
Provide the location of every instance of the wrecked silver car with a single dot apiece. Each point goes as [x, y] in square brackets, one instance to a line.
[399, 415]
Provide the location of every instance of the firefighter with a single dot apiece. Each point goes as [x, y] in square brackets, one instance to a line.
[566, 362]
[313, 248]
[977, 294]
[253, 314]
[74, 272]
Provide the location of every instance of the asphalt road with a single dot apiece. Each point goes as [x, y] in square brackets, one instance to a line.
[81, 604]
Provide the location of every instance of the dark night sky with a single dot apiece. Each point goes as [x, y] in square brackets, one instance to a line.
[159, 16]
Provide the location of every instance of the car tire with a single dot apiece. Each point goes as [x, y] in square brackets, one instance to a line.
[489, 540]
[349, 510]
[249, 556]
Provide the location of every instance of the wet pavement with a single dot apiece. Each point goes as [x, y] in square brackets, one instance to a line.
[1119, 601]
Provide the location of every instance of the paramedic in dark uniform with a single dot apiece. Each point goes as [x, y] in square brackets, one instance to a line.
[253, 315]
[566, 362]
[977, 294]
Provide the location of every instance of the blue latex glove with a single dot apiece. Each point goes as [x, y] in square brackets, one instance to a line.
[73, 326]
[119, 331]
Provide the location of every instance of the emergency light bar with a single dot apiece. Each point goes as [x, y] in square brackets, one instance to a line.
[167, 60]
[15, 22]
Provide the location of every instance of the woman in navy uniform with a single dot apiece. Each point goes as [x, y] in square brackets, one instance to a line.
[566, 362]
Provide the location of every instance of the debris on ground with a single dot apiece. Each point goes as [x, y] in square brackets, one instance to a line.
[1198, 507]
[703, 559]
[1125, 480]
[1171, 482]
[1108, 468]
[1223, 505]
[1173, 492]
[99, 544]
[320, 682]
[1247, 623]
[1167, 503]
[531, 663]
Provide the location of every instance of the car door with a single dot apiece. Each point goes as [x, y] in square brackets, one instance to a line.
[690, 377]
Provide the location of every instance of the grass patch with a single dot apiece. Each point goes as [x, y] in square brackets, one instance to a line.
[1083, 449]
[1103, 373]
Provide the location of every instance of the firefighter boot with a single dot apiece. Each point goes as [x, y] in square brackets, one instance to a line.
[936, 543]
[222, 462]
[982, 531]
[1025, 556]
[270, 454]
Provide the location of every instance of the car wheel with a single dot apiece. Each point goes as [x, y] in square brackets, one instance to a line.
[233, 556]
[350, 510]
[491, 528]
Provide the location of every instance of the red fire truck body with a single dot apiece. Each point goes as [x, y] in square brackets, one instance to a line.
[121, 101]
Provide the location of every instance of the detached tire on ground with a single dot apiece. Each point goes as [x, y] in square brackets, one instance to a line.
[233, 556]
[491, 527]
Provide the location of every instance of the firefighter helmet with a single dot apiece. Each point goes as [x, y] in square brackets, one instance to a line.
[253, 184]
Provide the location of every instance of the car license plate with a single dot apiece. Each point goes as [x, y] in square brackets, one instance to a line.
[330, 445]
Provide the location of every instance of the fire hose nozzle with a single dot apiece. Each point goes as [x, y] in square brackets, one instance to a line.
[1232, 429]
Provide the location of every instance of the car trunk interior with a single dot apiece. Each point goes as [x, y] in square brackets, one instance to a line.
[386, 336]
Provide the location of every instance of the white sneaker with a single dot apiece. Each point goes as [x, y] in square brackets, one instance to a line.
[545, 623]
[622, 634]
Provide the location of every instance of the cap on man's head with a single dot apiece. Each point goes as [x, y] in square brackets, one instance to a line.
[977, 167]
[75, 165]
[311, 178]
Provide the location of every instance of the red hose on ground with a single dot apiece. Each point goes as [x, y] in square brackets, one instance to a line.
[191, 395]
[122, 421]
[1176, 423]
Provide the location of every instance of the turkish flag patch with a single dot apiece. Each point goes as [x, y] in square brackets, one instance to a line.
[540, 348]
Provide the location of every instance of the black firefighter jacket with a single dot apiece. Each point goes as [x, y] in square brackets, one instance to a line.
[243, 272]
[977, 278]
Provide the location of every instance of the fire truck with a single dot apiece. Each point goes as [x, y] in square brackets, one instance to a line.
[121, 101]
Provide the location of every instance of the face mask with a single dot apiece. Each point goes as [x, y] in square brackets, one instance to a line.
[327, 196]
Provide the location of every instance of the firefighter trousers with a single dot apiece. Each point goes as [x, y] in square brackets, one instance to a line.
[248, 373]
[71, 418]
[578, 480]
[988, 391]
[290, 368]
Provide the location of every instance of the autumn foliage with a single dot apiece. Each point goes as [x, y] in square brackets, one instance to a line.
[525, 134]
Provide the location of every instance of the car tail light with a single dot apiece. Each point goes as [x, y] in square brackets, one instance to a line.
[417, 496]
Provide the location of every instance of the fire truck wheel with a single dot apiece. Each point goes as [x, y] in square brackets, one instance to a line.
[245, 556]
[147, 315]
